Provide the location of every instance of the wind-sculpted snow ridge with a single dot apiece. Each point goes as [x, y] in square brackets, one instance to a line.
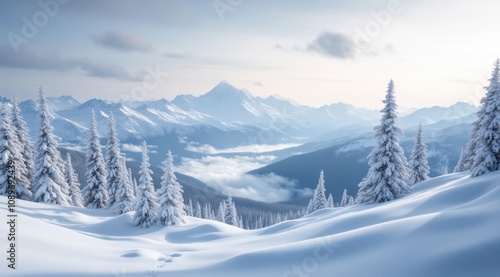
[448, 226]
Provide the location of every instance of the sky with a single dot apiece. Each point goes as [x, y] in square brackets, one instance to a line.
[314, 52]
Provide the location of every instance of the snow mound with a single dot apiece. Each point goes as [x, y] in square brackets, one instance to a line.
[447, 227]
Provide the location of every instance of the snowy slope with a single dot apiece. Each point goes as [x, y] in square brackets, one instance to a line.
[447, 227]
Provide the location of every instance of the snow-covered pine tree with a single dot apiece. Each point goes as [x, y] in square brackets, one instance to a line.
[146, 201]
[446, 170]
[309, 208]
[212, 215]
[171, 211]
[278, 218]
[487, 157]
[197, 210]
[132, 180]
[114, 168]
[95, 194]
[330, 201]
[221, 212]
[134, 185]
[240, 222]
[124, 191]
[460, 164]
[74, 186]
[259, 224]
[206, 211]
[352, 201]
[345, 199]
[231, 216]
[49, 184]
[386, 177]
[189, 208]
[419, 166]
[22, 132]
[470, 148]
[319, 200]
[10, 152]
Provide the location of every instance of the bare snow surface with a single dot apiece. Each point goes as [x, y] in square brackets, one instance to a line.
[449, 226]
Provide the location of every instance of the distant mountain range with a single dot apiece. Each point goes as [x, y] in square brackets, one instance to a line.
[224, 109]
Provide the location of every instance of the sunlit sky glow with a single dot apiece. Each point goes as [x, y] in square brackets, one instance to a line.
[437, 52]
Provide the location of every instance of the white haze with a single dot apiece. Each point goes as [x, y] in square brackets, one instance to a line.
[228, 176]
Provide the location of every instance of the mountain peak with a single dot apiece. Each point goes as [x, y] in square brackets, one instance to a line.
[225, 90]
[281, 98]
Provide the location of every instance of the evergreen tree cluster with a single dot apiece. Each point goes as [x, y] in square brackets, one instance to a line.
[43, 176]
[390, 176]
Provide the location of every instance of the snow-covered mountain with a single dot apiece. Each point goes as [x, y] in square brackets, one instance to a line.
[67, 129]
[447, 227]
[435, 114]
[224, 108]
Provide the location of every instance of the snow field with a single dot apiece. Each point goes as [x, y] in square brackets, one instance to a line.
[447, 227]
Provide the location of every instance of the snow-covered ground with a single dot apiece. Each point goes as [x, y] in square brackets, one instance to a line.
[449, 226]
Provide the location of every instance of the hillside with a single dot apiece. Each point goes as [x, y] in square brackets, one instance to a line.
[447, 227]
[345, 164]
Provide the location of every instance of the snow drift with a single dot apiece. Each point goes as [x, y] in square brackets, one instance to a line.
[449, 226]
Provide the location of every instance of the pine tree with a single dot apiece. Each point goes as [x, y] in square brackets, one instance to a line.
[146, 200]
[171, 211]
[240, 222]
[460, 167]
[49, 184]
[319, 200]
[419, 166]
[114, 166]
[330, 201]
[206, 211]
[487, 158]
[95, 193]
[124, 191]
[386, 177]
[230, 216]
[221, 212]
[22, 132]
[197, 210]
[310, 207]
[132, 180]
[352, 201]
[189, 208]
[345, 199]
[10, 156]
[74, 186]
[470, 149]
[135, 185]
[259, 223]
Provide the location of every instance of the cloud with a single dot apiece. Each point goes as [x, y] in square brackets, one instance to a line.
[228, 176]
[131, 148]
[30, 60]
[107, 71]
[123, 42]
[257, 83]
[253, 148]
[172, 55]
[138, 148]
[333, 45]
